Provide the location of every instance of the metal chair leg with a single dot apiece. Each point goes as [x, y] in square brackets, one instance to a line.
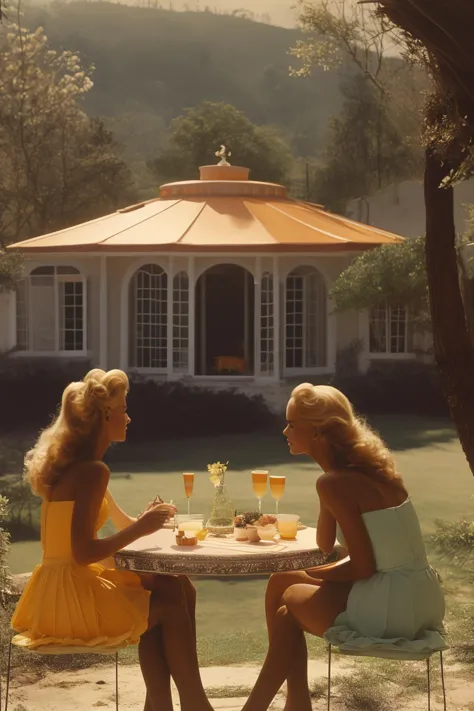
[7, 684]
[442, 678]
[329, 676]
[116, 682]
[429, 683]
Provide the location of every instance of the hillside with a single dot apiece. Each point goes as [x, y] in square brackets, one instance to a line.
[152, 63]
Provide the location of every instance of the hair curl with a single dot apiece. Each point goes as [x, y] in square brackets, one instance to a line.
[353, 444]
[74, 433]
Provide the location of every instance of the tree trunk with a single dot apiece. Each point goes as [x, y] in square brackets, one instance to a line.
[452, 346]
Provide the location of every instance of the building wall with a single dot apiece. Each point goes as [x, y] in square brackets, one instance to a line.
[112, 351]
[400, 208]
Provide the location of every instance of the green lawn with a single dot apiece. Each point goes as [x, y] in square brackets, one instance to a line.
[230, 612]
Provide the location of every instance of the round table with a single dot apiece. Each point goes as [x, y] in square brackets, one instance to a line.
[159, 553]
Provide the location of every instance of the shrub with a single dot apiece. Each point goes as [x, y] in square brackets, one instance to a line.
[395, 388]
[454, 540]
[33, 391]
[158, 409]
[174, 409]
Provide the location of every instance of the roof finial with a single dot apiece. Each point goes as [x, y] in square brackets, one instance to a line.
[223, 154]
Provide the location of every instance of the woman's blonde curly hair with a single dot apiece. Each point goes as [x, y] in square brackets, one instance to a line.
[353, 444]
[73, 434]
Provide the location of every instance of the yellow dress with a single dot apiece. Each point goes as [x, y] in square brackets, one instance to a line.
[77, 605]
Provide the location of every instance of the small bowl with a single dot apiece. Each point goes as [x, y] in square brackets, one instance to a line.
[252, 533]
[267, 533]
[240, 533]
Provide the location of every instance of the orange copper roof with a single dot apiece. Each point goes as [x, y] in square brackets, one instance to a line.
[226, 214]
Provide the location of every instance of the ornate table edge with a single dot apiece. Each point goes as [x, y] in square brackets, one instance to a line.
[146, 562]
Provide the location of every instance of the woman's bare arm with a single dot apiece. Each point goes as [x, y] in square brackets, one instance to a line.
[325, 530]
[342, 505]
[120, 519]
[86, 548]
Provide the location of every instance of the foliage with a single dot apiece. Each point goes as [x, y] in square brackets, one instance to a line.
[11, 270]
[22, 519]
[395, 388]
[4, 547]
[337, 31]
[57, 166]
[437, 35]
[454, 539]
[197, 134]
[365, 149]
[375, 140]
[158, 410]
[392, 274]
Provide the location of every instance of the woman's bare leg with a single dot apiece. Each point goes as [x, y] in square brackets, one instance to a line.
[155, 671]
[298, 696]
[169, 610]
[305, 608]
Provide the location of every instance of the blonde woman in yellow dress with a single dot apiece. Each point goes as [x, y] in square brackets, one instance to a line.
[73, 599]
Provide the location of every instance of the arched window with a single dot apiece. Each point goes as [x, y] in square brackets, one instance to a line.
[180, 322]
[148, 318]
[305, 319]
[51, 311]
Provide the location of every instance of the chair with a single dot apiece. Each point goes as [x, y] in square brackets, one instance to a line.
[50, 649]
[408, 659]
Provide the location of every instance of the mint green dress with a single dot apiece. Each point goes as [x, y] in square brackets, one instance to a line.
[397, 613]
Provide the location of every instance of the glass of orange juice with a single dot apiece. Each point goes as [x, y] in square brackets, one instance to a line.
[288, 525]
[259, 483]
[188, 480]
[277, 487]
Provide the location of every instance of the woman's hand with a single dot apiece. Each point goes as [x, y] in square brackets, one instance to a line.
[155, 518]
[156, 501]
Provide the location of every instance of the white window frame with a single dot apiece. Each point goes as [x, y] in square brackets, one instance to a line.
[58, 279]
[133, 344]
[267, 326]
[305, 368]
[180, 323]
[387, 354]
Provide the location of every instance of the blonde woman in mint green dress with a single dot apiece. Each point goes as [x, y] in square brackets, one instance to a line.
[383, 599]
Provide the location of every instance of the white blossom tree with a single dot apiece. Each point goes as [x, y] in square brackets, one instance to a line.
[57, 166]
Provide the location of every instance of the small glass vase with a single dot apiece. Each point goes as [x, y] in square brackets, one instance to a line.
[221, 518]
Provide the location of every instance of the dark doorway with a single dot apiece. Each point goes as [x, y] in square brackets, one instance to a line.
[225, 321]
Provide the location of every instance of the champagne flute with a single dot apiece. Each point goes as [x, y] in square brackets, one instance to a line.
[259, 483]
[188, 480]
[277, 487]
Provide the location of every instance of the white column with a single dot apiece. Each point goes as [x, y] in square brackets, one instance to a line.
[202, 306]
[276, 318]
[11, 337]
[169, 317]
[103, 335]
[246, 316]
[257, 316]
[191, 315]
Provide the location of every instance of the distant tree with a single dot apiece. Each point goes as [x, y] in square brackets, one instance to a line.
[198, 133]
[57, 166]
[390, 274]
[376, 138]
[10, 270]
[365, 149]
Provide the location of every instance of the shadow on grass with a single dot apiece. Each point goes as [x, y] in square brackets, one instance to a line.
[266, 449]
[246, 451]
